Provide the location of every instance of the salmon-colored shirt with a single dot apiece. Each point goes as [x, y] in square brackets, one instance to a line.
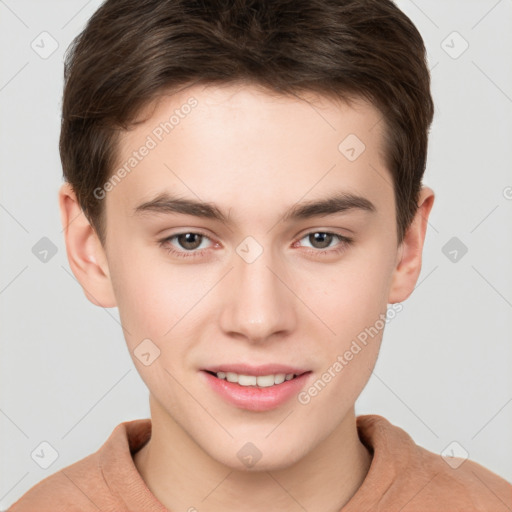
[403, 477]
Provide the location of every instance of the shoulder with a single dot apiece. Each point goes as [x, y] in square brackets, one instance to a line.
[463, 482]
[102, 480]
[417, 479]
[72, 488]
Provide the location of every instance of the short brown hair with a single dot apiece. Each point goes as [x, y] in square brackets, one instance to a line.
[133, 50]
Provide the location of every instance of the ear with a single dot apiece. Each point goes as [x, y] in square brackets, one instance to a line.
[85, 253]
[409, 255]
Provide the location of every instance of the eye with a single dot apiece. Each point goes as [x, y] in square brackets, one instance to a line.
[320, 240]
[189, 243]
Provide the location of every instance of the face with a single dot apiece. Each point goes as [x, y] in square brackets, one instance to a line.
[257, 275]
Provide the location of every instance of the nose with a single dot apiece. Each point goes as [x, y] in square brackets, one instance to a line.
[259, 302]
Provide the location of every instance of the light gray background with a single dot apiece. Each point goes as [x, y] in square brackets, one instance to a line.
[444, 372]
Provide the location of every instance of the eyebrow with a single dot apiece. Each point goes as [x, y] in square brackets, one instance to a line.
[342, 202]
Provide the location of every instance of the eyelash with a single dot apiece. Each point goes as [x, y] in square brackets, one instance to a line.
[344, 243]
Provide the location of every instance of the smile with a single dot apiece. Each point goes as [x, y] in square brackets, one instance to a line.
[262, 392]
[262, 381]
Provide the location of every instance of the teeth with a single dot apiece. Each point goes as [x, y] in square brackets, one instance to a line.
[262, 381]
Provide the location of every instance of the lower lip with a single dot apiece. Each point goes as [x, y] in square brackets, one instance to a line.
[254, 398]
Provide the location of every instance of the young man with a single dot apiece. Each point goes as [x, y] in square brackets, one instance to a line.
[243, 181]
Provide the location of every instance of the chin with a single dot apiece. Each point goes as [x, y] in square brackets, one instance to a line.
[258, 457]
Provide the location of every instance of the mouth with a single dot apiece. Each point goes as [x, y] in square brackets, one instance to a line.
[260, 381]
[256, 388]
[262, 376]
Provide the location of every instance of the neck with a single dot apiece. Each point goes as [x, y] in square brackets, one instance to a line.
[182, 475]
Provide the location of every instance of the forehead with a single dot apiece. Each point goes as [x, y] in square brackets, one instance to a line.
[243, 148]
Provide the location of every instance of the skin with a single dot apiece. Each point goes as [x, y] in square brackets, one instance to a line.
[255, 155]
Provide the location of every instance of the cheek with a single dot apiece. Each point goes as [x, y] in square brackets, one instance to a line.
[153, 312]
[158, 300]
[354, 307]
[354, 294]
[353, 302]
[149, 298]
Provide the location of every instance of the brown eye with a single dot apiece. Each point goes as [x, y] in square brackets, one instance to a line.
[320, 243]
[320, 240]
[188, 244]
[189, 241]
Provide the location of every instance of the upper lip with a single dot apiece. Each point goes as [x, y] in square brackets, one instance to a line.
[265, 369]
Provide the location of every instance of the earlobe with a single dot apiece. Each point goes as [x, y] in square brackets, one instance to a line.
[410, 252]
[86, 255]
